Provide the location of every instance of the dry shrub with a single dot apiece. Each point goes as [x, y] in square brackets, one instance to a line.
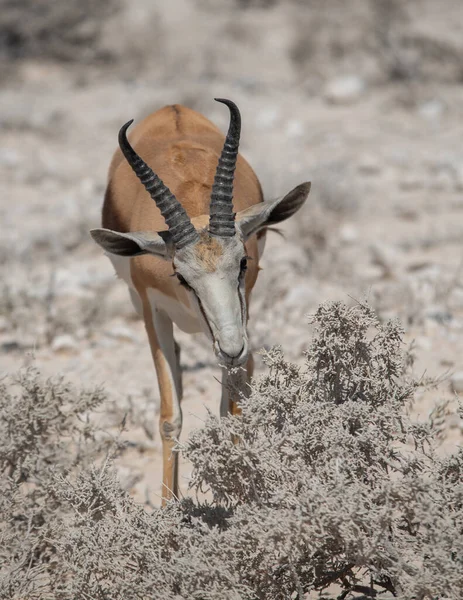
[67, 31]
[44, 435]
[41, 297]
[330, 487]
[324, 488]
[35, 314]
[333, 201]
[407, 54]
[379, 40]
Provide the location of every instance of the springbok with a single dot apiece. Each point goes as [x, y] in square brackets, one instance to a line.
[191, 257]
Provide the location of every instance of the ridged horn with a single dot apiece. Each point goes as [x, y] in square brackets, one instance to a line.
[180, 227]
[222, 217]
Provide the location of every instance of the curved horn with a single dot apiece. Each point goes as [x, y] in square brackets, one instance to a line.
[222, 217]
[180, 227]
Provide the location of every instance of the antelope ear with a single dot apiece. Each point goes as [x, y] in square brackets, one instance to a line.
[256, 217]
[134, 243]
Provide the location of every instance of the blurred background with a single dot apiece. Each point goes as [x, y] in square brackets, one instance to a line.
[364, 98]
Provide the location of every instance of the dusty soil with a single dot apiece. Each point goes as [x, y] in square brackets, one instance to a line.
[365, 103]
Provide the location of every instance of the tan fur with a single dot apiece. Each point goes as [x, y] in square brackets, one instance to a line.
[208, 251]
[183, 148]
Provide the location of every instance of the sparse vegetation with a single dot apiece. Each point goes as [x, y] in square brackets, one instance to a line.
[330, 487]
[44, 436]
[53, 315]
[334, 200]
[48, 29]
[332, 491]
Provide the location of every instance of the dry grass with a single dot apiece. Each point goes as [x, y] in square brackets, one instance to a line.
[333, 200]
[48, 29]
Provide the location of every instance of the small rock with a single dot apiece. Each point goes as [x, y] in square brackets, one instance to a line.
[105, 343]
[370, 273]
[458, 173]
[294, 128]
[406, 213]
[66, 283]
[64, 343]
[442, 181]
[290, 256]
[438, 313]
[344, 90]
[385, 256]
[454, 421]
[388, 315]
[267, 117]
[411, 182]
[430, 327]
[431, 110]
[3, 324]
[369, 165]
[128, 477]
[9, 345]
[348, 233]
[420, 266]
[81, 333]
[423, 343]
[300, 297]
[88, 187]
[247, 82]
[447, 362]
[456, 382]
[9, 157]
[120, 332]
[87, 355]
[455, 300]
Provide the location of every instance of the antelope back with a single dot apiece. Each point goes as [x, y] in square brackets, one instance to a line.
[183, 148]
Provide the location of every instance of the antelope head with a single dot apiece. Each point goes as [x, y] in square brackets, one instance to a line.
[210, 264]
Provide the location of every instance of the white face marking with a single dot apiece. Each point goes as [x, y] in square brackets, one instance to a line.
[213, 275]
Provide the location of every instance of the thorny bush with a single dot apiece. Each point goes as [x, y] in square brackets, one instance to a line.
[330, 487]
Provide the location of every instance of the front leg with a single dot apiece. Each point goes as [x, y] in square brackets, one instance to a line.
[166, 360]
[235, 383]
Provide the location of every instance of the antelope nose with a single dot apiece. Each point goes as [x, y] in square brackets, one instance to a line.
[232, 349]
[231, 343]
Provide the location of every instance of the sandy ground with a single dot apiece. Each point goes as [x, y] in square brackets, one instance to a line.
[384, 220]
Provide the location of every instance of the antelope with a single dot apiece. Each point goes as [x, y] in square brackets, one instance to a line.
[191, 257]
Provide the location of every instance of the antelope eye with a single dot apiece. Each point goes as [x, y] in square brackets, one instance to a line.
[244, 264]
[182, 280]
